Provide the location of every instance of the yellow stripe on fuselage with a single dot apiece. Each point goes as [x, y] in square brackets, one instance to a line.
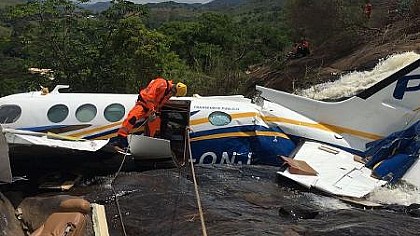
[240, 134]
[234, 116]
[325, 127]
[95, 130]
[319, 126]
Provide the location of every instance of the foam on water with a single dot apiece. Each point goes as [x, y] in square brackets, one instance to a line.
[325, 202]
[354, 82]
[401, 194]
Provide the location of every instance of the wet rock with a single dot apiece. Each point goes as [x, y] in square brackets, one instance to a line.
[414, 210]
[9, 224]
[298, 212]
[236, 200]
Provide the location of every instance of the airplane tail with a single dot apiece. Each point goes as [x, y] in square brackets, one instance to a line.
[388, 106]
[401, 89]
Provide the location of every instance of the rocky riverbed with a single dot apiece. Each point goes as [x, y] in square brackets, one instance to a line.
[236, 200]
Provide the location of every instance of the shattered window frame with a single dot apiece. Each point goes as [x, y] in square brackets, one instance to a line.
[219, 118]
[9, 113]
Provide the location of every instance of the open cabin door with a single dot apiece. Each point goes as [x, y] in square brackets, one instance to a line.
[170, 142]
[175, 117]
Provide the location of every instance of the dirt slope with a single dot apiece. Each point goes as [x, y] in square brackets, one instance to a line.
[387, 32]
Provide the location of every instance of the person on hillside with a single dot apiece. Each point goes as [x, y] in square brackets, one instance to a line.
[148, 105]
[300, 49]
[367, 9]
[304, 47]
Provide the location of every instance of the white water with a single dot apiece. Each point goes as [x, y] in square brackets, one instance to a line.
[349, 84]
[400, 194]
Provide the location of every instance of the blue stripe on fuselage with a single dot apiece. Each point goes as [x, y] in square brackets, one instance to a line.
[242, 150]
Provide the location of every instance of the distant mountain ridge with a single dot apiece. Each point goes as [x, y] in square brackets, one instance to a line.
[213, 5]
[96, 7]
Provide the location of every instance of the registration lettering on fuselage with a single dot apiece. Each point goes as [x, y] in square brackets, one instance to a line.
[402, 86]
[213, 158]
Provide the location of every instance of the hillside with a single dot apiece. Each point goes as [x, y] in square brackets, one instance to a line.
[4, 3]
[388, 32]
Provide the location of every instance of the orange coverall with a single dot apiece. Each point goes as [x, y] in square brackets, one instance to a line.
[151, 99]
[368, 10]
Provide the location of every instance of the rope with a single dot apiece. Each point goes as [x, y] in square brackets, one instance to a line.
[113, 179]
[197, 195]
[115, 193]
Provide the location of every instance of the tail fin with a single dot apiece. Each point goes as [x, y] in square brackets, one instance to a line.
[388, 106]
[401, 88]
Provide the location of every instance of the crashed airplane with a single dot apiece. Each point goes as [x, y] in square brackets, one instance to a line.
[273, 128]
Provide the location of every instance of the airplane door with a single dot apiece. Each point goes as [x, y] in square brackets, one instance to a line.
[175, 117]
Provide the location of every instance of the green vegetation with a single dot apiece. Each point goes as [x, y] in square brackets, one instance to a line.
[124, 47]
[5, 3]
[115, 51]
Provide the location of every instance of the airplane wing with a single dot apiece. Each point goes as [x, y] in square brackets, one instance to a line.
[335, 171]
[85, 145]
[18, 137]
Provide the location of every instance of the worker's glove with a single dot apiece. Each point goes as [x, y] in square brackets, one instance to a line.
[119, 142]
[153, 115]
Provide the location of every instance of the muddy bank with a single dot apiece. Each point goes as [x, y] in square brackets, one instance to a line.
[236, 200]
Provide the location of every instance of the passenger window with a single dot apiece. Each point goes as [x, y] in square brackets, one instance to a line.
[86, 113]
[58, 113]
[219, 118]
[9, 114]
[114, 112]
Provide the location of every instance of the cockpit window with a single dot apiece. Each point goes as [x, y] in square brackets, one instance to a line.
[86, 113]
[219, 118]
[58, 113]
[114, 112]
[9, 113]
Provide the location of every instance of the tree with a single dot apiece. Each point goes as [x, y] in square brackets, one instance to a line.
[110, 52]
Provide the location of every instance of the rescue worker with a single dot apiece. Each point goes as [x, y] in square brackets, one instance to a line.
[300, 49]
[149, 103]
[305, 47]
[367, 9]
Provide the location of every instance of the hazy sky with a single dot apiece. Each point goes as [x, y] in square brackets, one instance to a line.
[157, 1]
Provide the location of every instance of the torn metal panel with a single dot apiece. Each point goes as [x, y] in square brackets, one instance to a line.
[85, 145]
[5, 171]
[413, 174]
[338, 173]
[149, 148]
